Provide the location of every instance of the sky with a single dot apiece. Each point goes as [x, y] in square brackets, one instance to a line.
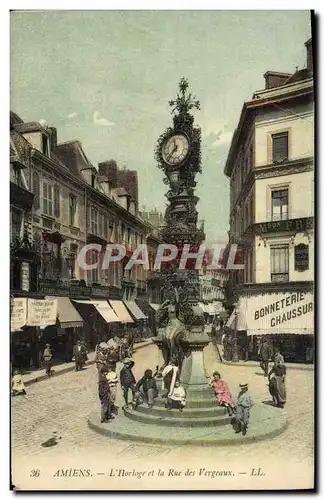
[106, 77]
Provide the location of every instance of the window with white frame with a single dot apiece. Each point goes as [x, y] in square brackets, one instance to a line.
[279, 204]
[279, 255]
[94, 220]
[279, 147]
[47, 199]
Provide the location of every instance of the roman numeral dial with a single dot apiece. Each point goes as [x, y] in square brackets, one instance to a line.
[175, 149]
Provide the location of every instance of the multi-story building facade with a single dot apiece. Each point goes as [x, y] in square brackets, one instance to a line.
[271, 170]
[24, 265]
[71, 204]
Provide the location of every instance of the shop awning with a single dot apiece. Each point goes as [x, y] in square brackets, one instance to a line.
[134, 309]
[103, 308]
[285, 313]
[231, 320]
[121, 311]
[67, 314]
[292, 331]
[156, 307]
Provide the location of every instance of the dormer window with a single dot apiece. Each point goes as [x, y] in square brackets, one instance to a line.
[45, 148]
[93, 180]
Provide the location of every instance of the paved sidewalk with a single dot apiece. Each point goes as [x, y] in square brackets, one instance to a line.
[256, 364]
[38, 375]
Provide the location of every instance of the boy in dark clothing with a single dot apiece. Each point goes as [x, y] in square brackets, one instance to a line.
[104, 395]
[146, 389]
[127, 379]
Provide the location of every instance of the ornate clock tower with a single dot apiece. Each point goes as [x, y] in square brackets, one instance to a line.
[178, 154]
[181, 337]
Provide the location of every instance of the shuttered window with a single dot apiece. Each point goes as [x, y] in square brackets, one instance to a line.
[56, 200]
[72, 209]
[105, 226]
[36, 190]
[280, 147]
[94, 220]
[101, 224]
[47, 199]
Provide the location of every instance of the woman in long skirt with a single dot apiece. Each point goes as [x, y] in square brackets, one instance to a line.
[277, 385]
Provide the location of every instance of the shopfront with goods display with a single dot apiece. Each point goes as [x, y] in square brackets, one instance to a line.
[285, 319]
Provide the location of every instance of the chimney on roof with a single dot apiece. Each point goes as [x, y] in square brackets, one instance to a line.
[274, 79]
[53, 137]
[109, 170]
[309, 49]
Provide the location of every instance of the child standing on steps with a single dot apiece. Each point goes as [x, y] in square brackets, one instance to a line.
[243, 407]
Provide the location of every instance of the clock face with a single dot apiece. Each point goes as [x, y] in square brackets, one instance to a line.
[175, 149]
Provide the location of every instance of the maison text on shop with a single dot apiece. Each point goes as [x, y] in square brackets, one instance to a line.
[95, 256]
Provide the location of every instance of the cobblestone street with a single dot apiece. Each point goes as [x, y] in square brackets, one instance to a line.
[59, 407]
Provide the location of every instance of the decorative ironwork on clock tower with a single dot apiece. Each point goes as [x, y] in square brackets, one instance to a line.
[178, 154]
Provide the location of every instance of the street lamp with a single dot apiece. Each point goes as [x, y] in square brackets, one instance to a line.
[235, 356]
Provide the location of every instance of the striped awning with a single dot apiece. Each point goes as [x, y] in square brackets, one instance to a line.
[121, 311]
[103, 308]
[134, 309]
[67, 314]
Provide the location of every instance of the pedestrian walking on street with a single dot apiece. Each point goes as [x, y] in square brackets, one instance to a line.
[277, 384]
[112, 382]
[127, 379]
[146, 390]
[47, 357]
[104, 396]
[243, 408]
[265, 355]
[222, 393]
[79, 354]
[17, 384]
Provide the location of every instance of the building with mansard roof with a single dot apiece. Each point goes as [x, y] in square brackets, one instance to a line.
[270, 166]
[72, 203]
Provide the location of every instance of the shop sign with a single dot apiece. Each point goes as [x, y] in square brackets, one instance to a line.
[291, 312]
[18, 316]
[25, 277]
[301, 257]
[41, 312]
[302, 224]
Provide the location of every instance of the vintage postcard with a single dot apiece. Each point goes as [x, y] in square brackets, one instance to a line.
[162, 250]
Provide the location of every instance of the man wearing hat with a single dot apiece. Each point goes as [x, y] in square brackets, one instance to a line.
[243, 406]
[79, 354]
[127, 379]
[47, 357]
